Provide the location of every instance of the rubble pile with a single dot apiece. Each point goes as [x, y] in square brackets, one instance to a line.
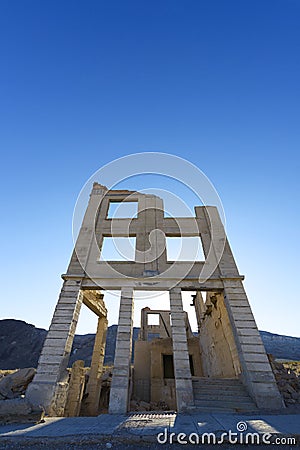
[287, 381]
[15, 384]
[13, 406]
[140, 405]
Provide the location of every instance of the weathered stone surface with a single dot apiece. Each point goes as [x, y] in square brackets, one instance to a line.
[224, 329]
[15, 384]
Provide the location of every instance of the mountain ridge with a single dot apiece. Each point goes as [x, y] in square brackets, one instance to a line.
[21, 344]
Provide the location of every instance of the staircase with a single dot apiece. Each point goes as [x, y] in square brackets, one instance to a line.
[221, 395]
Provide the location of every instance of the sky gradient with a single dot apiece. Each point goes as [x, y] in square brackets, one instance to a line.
[214, 82]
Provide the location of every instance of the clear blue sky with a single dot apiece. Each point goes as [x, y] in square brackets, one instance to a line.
[215, 82]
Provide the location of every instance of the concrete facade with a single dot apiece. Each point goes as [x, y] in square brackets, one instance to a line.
[88, 277]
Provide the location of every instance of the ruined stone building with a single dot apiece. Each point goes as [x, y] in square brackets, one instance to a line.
[224, 365]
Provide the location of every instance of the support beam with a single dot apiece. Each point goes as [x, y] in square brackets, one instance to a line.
[183, 377]
[93, 388]
[118, 402]
[94, 301]
[55, 354]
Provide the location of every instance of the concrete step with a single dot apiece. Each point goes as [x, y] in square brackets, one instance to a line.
[217, 381]
[222, 394]
[224, 404]
[219, 389]
[215, 409]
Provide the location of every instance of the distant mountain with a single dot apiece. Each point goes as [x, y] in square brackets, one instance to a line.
[21, 344]
[280, 346]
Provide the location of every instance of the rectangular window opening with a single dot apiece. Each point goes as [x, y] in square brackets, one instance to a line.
[184, 248]
[118, 249]
[152, 319]
[122, 210]
[168, 365]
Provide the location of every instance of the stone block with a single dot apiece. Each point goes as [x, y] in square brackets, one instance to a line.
[180, 346]
[178, 323]
[248, 332]
[178, 338]
[251, 339]
[53, 351]
[62, 320]
[121, 360]
[246, 324]
[44, 378]
[184, 394]
[124, 329]
[67, 300]
[124, 353]
[13, 384]
[253, 347]
[180, 355]
[123, 345]
[124, 336]
[58, 334]
[256, 357]
[241, 316]
[60, 327]
[68, 294]
[50, 359]
[259, 366]
[124, 321]
[122, 371]
[73, 289]
[118, 401]
[52, 342]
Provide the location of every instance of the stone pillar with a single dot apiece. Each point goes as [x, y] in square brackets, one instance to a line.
[256, 373]
[57, 347]
[75, 391]
[118, 402]
[183, 377]
[93, 388]
[199, 308]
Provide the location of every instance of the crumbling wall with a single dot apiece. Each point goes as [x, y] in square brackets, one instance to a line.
[161, 388]
[149, 382]
[218, 350]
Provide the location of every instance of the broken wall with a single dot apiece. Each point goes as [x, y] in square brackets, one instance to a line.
[218, 350]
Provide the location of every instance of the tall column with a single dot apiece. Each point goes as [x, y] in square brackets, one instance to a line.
[118, 401]
[199, 308]
[93, 388]
[75, 391]
[183, 377]
[57, 347]
[257, 374]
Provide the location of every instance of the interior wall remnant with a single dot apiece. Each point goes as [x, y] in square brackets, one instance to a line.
[161, 388]
[141, 374]
[218, 350]
[154, 369]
